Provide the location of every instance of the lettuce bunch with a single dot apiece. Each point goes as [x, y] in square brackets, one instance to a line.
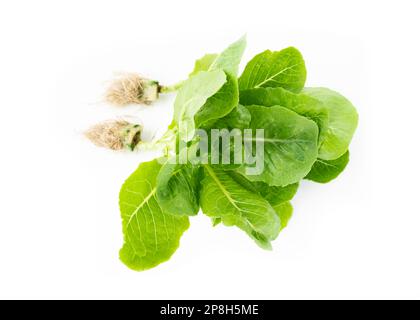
[307, 132]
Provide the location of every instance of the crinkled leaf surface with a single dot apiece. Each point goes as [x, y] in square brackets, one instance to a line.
[273, 194]
[299, 103]
[276, 195]
[342, 122]
[285, 68]
[225, 198]
[151, 236]
[290, 145]
[324, 171]
[192, 96]
[178, 188]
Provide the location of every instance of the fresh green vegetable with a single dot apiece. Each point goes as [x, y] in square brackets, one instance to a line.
[151, 235]
[324, 171]
[192, 96]
[276, 195]
[177, 189]
[230, 58]
[224, 197]
[290, 145]
[284, 133]
[284, 211]
[204, 63]
[342, 122]
[302, 104]
[220, 104]
[285, 69]
[238, 118]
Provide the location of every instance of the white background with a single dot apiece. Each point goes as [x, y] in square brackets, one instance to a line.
[60, 229]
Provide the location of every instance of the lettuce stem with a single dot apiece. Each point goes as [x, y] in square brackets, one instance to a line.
[172, 88]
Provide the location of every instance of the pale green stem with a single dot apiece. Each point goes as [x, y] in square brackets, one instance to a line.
[173, 88]
[165, 143]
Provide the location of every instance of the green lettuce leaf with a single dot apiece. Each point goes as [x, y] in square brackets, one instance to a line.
[224, 199]
[192, 96]
[285, 211]
[273, 194]
[204, 63]
[290, 145]
[230, 58]
[151, 236]
[285, 68]
[216, 221]
[238, 118]
[276, 195]
[299, 103]
[342, 122]
[227, 98]
[324, 171]
[220, 104]
[178, 188]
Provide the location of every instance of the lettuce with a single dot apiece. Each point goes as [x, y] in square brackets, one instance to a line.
[307, 134]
